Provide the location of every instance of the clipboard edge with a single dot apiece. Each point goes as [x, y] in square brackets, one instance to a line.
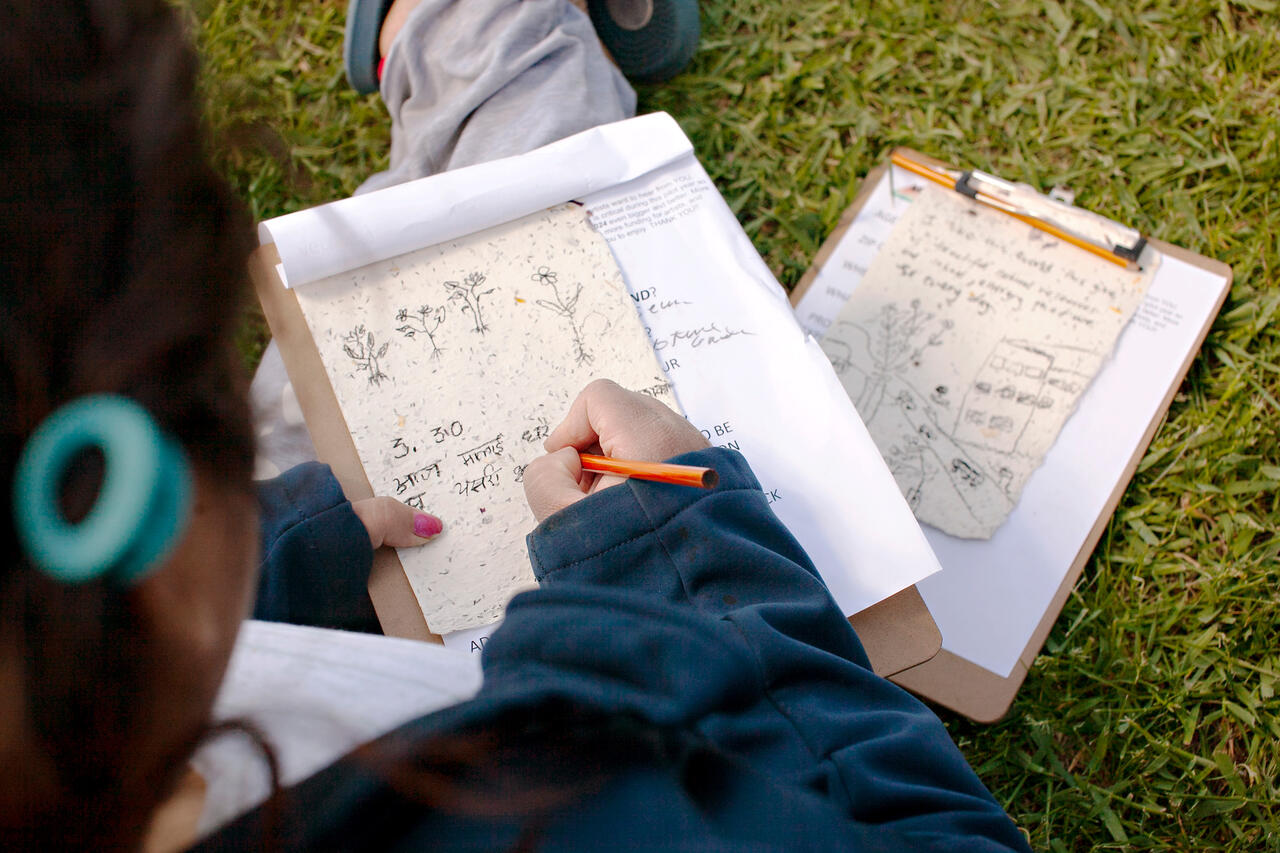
[388, 584]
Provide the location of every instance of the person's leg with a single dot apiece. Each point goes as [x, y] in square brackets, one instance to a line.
[465, 81]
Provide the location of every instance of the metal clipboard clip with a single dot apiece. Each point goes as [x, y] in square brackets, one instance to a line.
[1103, 237]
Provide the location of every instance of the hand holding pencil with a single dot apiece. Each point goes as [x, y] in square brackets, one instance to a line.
[605, 420]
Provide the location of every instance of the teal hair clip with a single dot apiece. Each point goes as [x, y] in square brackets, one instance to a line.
[142, 506]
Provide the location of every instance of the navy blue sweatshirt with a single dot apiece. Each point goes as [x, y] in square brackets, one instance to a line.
[696, 619]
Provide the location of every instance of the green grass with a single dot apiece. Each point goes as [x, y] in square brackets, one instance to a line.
[1150, 720]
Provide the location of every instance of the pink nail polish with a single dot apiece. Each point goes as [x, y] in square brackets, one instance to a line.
[425, 526]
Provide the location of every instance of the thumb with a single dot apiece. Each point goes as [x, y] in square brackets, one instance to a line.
[554, 481]
[390, 522]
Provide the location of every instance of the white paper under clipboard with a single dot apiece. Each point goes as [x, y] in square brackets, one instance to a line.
[996, 600]
[690, 267]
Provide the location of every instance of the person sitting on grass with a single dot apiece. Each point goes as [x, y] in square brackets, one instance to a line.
[682, 679]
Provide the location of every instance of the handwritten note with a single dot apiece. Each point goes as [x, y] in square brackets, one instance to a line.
[452, 363]
[749, 378]
[965, 348]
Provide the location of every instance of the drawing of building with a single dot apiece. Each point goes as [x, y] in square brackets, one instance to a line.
[1017, 380]
[1004, 395]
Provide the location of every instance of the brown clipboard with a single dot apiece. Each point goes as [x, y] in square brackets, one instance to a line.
[947, 678]
[897, 633]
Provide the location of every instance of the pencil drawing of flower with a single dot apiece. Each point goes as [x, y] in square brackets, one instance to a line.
[468, 293]
[425, 321]
[567, 308]
[898, 342]
[359, 346]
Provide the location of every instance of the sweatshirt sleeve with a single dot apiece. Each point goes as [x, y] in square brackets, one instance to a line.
[316, 554]
[815, 713]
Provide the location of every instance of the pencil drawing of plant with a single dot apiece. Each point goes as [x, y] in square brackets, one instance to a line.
[468, 293]
[359, 346]
[839, 354]
[567, 308]
[425, 321]
[895, 344]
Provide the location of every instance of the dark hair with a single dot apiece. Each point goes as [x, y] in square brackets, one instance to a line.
[122, 260]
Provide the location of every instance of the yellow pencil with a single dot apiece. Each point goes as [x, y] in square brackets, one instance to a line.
[660, 472]
[924, 171]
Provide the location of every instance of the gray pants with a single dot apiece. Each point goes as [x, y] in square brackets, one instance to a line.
[465, 82]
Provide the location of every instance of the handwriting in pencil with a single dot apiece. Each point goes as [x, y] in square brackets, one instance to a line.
[707, 335]
[481, 452]
[441, 434]
[659, 388]
[536, 433]
[416, 477]
[489, 478]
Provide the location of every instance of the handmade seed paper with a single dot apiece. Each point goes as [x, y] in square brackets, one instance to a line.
[965, 348]
[451, 364]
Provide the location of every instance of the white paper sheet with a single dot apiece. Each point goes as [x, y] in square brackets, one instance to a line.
[745, 371]
[750, 379]
[836, 279]
[348, 234]
[991, 594]
[316, 695]
[470, 640]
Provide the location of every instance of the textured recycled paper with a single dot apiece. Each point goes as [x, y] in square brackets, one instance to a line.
[451, 365]
[966, 347]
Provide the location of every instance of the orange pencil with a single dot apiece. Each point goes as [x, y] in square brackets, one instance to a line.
[661, 472]
[925, 171]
